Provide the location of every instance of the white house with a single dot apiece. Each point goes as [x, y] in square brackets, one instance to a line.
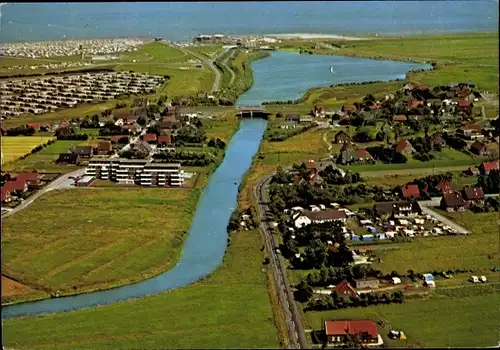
[119, 122]
[307, 217]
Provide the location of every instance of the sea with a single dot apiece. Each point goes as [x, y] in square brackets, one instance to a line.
[182, 20]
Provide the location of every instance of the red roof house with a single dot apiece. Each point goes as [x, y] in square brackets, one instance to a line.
[486, 167]
[149, 138]
[117, 138]
[399, 118]
[31, 178]
[404, 146]
[464, 104]
[365, 330]
[169, 117]
[16, 185]
[415, 104]
[344, 289]
[444, 186]
[5, 194]
[473, 194]
[129, 127]
[35, 126]
[410, 191]
[349, 108]
[164, 139]
[362, 154]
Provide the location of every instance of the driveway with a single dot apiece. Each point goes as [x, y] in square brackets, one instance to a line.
[434, 202]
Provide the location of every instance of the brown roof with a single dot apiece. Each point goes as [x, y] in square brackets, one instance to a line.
[14, 185]
[344, 289]
[452, 199]
[117, 138]
[410, 190]
[164, 139]
[444, 186]
[401, 145]
[463, 103]
[104, 145]
[474, 127]
[473, 193]
[399, 118]
[310, 164]
[149, 137]
[342, 328]
[169, 117]
[479, 146]
[34, 125]
[28, 176]
[125, 114]
[324, 215]
[342, 134]
[129, 127]
[362, 153]
[348, 108]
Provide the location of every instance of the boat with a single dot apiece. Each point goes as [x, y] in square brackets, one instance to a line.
[331, 69]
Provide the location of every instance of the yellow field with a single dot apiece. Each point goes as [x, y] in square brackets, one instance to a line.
[14, 147]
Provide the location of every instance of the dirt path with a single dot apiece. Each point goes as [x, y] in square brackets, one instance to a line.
[11, 287]
[329, 145]
[209, 63]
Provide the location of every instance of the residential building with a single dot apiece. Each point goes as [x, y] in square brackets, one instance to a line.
[84, 152]
[162, 174]
[399, 118]
[308, 217]
[397, 209]
[443, 187]
[437, 139]
[305, 120]
[170, 124]
[149, 138]
[5, 194]
[404, 147]
[341, 137]
[410, 191]
[348, 155]
[128, 171]
[349, 109]
[338, 331]
[32, 179]
[345, 289]
[479, 148]
[486, 167]
[15, 186]
[103, 147]
[142, 148]
[452, 201]
[470, 131]
[292, 118]
[319, 110]
[164, 140]
[69, 158]
[120, 139]
[473, 194]
[131, 128]
[366, 283]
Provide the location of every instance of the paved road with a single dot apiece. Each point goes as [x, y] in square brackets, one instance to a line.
[233, 75]
[297, 338]
[434, 202]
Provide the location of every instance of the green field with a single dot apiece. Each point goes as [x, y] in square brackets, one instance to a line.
[109, 237]
[223, 126]
[428, 254]
[13, 147]
[229, 309]
[44, 160]
[446, 319]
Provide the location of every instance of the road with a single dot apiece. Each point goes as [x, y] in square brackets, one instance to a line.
[233, 75]
[434, 202]
[326, 141]
[297, 338]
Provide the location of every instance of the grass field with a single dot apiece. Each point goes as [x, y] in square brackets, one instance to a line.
[223, 126]
[126, 239]
[229, 309]
[443, 253]
[44, 160]
[444, 320]
[459, 180]
[14, 147]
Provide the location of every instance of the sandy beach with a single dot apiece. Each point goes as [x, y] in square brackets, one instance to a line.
[307, 36]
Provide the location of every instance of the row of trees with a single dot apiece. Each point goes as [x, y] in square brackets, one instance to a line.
[217, 143]
[490, 183]
[284, 134]
[69, 133]
[186, 158]
[333, 176]
[24, 130]
[334, 301]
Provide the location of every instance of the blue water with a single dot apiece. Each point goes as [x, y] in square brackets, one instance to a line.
[204, 246]
[286, 76]
[181, 21]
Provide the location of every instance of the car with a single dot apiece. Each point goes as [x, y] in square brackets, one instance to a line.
[474, 279]
[483, 279]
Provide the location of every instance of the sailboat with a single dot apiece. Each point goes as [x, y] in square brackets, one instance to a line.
[331, 70]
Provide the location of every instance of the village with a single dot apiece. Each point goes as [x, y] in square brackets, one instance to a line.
[40, 96]
[46, 49]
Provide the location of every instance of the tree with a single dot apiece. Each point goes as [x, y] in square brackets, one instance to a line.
[142, 121]
[303, 293]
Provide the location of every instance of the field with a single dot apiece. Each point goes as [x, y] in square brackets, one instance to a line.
[223, 126]
[456, 252]
[14, 147]
[459, 179]
[44, 160]
[129, 235]
[447, 319]
[229, 309]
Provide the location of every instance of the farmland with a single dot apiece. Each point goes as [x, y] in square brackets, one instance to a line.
[446, 319]
[125, 239]
[44, 160]
[14, 147]
[459, 252]
[233, 300]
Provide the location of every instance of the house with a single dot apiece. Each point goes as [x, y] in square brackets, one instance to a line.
[149, 138]
[305, 120]
[404, 147]
[344, 289]
[486, 167]
[131, 128]
[169, 118]
[319, 110]
[479, 148]
[410, 191]
[349, 109]
[292, 118]
[474, 171]
[369, 282]
[470, 131]
[341, 137]
[362, 155]
[6, 196]
[15, 186]
[314, 179]
[338, 331]
[437, 139]
[311, 165]
[164, 140]
[140, 102]
[121, 139]
[452, 201]
[413, 104]
[348, 155]
[142, 148]
[399, 118]
[124, 114]
[68, 158]
[103, 147]
[308, 217]
[473, 194]
[84, 151]
[32, 179]
[397, 209]
[464, 105]
[170, 124]
[443, 187]
[35, 126]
